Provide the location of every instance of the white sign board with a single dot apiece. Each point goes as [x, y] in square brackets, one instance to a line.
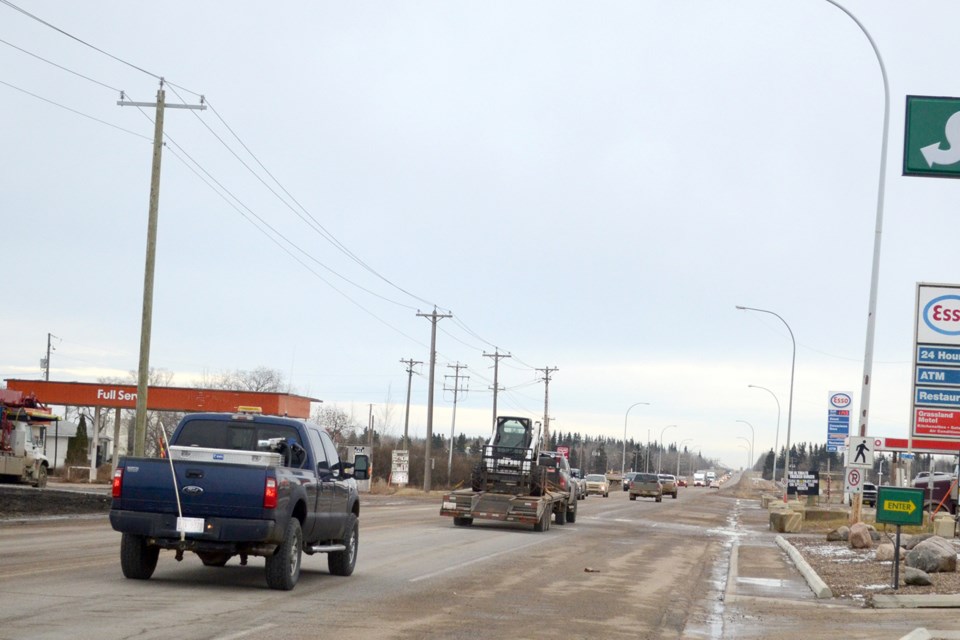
[400, 467]
[852, 480]
[860, 452]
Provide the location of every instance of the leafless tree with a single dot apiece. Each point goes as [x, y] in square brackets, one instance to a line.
[338, 423]
[260, 379]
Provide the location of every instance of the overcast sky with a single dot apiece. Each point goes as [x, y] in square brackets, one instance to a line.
[587, 186]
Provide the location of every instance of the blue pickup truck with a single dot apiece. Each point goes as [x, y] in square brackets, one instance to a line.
[243, 485]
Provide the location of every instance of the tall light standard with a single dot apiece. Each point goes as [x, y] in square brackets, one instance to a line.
[793, 363]
[680, 446]
[753, 440]
[660, 453]
[746, 447]
[776, 438]
[623, 462]
[749, 450]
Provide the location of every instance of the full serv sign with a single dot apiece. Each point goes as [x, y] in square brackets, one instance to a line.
[931, 145]
[936, 380]
[838, 420]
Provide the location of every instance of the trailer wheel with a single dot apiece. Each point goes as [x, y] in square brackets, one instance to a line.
[41, 477]
[572, 513]
[660, 498]
[137, 559]
[283, 567]
[633, 496]
[561, 515]
[341, 563]
[543, 523]
[462, 522]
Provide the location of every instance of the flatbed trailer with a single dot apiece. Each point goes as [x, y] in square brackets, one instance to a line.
[466, 505]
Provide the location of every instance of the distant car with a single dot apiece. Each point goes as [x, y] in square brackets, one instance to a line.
[597, 483]
[627, 478]
[714, 484]
[581, 483]
[869, 494]
[646, 485]
[669, 484]
[681, 481]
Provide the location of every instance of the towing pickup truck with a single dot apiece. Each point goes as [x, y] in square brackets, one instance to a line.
[243, 485]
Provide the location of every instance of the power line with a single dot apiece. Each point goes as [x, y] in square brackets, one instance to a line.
[71, 110]
[50, 62]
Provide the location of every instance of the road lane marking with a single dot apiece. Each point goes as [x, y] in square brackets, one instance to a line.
[474, 561]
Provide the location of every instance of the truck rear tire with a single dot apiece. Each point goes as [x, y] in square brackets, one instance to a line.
[543, 523]
[341, 563]
[283, 567]
[462, 522]
[561, 515]
[572, 513]
[633, 496]
[138, 560]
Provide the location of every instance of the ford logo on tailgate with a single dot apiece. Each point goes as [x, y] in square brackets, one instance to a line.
[192, 490]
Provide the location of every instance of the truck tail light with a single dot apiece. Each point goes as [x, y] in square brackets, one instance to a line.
[117, 482]
[270, 494]
[563, 482]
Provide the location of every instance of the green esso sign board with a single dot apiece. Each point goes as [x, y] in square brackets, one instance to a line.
[896, 505]
[931, 145]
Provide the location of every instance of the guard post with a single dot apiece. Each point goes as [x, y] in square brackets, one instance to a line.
[899, 506]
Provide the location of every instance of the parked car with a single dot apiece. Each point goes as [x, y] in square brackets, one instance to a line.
[669, 484]
[627, 478]
[869, 494]
[581, 483]
[597, 484]
[646, 485]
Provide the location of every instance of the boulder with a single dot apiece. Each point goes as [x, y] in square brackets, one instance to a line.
[916, 577]
[914, 540]
[860, 536]
[874, 534]
[786, 521]
[885, 551]
[933, 555]
[840, 534]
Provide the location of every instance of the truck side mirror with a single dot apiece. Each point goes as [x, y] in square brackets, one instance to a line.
[361, 467]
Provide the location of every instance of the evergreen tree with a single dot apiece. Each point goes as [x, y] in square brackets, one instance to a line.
[77, 445]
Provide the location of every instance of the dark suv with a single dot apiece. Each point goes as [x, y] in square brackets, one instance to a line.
[560, 479]
[869, 494]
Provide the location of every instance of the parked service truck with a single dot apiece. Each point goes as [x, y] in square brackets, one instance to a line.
[515, 481]
[23, 429]
[240, 484]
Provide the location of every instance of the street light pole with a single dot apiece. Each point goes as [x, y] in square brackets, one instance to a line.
[793, 363]
[660, 452]
[623, 462]
[753, 440]
[776, 438]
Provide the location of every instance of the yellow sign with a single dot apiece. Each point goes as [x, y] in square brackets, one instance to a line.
[900, 506]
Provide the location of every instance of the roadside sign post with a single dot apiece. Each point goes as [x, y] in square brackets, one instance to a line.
[899, 506]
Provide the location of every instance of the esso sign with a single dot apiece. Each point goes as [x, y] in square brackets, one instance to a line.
[942, 315]
[840, 400]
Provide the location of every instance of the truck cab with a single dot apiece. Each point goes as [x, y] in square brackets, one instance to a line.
[23, 428]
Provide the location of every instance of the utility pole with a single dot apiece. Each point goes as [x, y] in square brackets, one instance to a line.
[434, 319]
[496, 355]
[546, 403]
[370, 426]
[146, 320]
[453, 424]
[46, 361]
[406, 420]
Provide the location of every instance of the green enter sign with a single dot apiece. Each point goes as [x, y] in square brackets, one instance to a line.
[897, 505]
[931, 145]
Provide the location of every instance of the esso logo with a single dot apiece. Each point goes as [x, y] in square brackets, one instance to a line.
[943, 315]
[840, 400]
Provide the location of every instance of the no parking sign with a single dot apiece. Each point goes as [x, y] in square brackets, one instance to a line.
[853, 480]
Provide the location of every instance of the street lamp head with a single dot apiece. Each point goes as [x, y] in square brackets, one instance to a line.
[741, 308]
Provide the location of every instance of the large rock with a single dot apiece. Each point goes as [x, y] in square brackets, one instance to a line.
[840, 534]
[916, 577]
[860, 537]
[933, 555]
[916, 539]
[885, 551]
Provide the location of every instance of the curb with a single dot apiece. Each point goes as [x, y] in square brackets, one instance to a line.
[816, 584]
